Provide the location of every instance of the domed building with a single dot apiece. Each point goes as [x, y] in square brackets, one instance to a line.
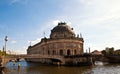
[62, 41]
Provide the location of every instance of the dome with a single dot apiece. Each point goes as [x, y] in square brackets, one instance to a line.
[62, 30]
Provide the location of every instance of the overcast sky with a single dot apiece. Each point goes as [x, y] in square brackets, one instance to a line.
[25, 21]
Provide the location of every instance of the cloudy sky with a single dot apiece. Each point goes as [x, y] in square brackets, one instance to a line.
[25, 21]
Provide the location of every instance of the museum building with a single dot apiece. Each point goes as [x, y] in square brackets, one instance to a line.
[62, 41]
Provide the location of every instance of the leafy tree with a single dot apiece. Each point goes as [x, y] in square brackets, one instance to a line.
[103, 52]
[111, 51]
[0, 53]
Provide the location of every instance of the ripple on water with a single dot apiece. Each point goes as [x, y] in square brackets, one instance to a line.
[36, 68]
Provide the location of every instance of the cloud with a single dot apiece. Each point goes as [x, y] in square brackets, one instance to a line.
[13, 42]
[33, 42]
[18, 1]
[22, 50]
[55, 22]
[45, 30]
[98, 20]
[98, 11]
[14, 1]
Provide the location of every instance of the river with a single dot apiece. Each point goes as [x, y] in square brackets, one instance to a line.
[36, 68]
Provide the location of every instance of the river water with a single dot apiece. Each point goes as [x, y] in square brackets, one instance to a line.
[36, 68]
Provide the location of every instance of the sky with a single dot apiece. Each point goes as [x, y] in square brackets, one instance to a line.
[25, 21]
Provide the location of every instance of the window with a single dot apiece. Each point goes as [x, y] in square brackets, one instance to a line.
[75, 52]
[68, 52]
[48, 52]
[61, 52]
[53, 52]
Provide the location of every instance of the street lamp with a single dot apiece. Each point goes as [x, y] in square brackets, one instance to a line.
[6, 39]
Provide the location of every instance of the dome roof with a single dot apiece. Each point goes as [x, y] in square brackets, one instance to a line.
[62, 30]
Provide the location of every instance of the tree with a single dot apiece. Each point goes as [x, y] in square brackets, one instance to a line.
[0, 53]
[111, 51]
[103, 52]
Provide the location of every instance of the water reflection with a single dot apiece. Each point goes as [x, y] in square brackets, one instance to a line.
[36, 68]
[57, 70]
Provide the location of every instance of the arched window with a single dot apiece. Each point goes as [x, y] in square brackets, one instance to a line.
[68, 52]
[61, 52]
[75, 52]
[53, 52]
[43, 50]
[48, 52]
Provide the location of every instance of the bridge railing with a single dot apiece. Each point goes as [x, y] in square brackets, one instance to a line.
[43, 56]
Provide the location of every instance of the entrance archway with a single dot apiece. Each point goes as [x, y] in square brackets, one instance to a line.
[68, 52]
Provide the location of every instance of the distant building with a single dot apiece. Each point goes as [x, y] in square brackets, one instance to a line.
[96, 52]
[62, 41]
[117, 52]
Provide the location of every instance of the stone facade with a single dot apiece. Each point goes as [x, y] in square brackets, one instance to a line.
[62, 41]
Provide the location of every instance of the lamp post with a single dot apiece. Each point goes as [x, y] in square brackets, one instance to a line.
[6, 39]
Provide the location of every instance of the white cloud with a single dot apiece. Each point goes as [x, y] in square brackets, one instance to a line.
[98, 20]
[22, 50]
[14, 1]
[13, 42]
[55, 22]
[33, 42]
[18, 1]
[99, 11]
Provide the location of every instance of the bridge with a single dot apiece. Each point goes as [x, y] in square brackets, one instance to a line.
[5, 59]
[85, 59]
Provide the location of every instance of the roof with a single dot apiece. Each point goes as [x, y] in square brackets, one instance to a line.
[62, 28]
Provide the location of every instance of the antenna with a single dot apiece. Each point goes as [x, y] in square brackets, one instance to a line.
[3, 48]
[89, 49]
[30, 43]
[44, 34]
[80, 35]
[86, 50]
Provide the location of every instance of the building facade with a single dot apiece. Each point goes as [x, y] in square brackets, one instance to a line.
[63, 41]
